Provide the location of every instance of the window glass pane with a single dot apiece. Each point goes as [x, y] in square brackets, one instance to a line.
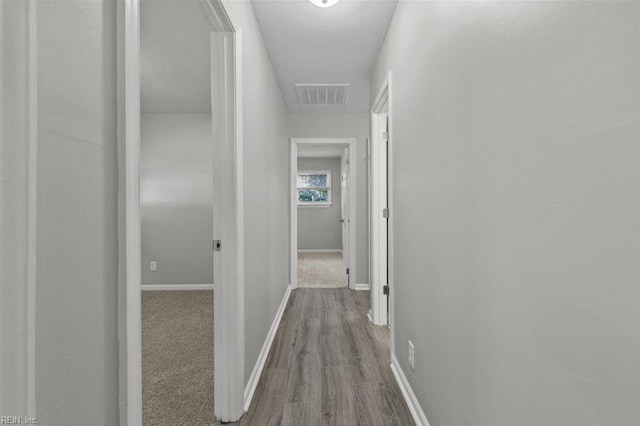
[312, 181]
[313, 195]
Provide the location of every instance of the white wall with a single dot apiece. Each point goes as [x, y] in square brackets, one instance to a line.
[77, 214]
[266, 187]
[319, 227]
[517, 242]
[345, 126]
[176, 198]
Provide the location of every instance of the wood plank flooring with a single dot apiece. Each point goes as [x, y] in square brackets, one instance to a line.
[328, 366]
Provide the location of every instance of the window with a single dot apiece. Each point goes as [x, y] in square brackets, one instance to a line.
[314, 188]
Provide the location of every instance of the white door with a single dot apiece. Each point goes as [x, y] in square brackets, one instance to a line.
[384, 203]
[344, 203]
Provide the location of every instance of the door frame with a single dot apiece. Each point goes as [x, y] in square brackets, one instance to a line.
[381, 264]
[344, 162]
[228, 213]
[350, 143]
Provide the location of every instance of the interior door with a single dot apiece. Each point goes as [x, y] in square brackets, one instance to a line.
[344, 203]
[384, 204]
[385, 201]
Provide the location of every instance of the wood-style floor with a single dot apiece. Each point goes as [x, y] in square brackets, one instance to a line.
[328, 366]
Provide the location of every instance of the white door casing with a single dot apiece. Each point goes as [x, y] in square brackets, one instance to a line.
[350, 144]
[381, 261]
[228, 210]
[344, 206]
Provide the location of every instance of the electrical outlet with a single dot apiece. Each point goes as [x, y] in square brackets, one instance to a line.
[153, 265]
[412, 355]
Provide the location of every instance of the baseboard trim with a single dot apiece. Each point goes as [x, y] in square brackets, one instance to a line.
[363, 287]
[173, 287]
[320, 251]
[252, 384]
[414, 406]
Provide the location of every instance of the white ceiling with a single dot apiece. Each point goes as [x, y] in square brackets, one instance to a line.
[174, 58]
[320, 151]
[307, 44]
[339, 44]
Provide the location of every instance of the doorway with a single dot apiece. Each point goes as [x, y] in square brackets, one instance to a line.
[381, 219]
[176, 205]
[226, 254]
[323, 224]
[345, 206]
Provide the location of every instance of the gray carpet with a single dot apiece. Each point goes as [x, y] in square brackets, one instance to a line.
[177, 357]
[320, 270]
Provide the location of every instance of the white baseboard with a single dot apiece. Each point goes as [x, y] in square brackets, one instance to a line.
[414, 406]
[250, 389]
[363, 287]
[176, 287]
[320, 251]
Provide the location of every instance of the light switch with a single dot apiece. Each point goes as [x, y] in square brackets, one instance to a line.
[154, 265]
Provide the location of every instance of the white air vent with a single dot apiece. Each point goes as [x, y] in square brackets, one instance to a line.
[322, 94]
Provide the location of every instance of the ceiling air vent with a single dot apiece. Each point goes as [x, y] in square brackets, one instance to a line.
[322, 94]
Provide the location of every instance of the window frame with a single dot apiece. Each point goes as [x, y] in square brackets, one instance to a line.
[327, 203]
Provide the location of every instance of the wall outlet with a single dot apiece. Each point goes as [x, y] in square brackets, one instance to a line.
[412, 356]
[153, 265]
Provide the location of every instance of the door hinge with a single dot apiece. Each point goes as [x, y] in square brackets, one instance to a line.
[385, 213]
[385, 136]
[217, 245]
[347, 271]
[385, 290]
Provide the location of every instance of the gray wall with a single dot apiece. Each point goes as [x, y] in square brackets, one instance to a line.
[266, 187]
[176, 197]
[15, 222]
[77, 216]
[345, 126]
[318, 227]
[517, 243]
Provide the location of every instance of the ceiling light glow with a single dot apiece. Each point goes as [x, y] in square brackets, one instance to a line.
[324, 3]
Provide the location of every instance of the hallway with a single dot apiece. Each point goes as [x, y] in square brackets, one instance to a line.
[496, 145]
[328, 365]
